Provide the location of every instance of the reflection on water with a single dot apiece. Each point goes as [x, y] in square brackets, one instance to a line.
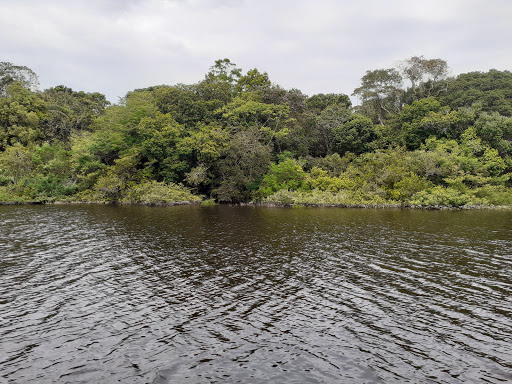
[99, 294]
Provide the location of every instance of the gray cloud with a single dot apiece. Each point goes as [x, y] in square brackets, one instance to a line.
[115, 46]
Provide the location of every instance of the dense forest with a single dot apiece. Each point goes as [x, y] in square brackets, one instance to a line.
[417, 138]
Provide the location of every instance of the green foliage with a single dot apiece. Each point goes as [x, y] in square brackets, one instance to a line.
[353, 136]
[488, 92]
[317, 197]
[468, 164]
[494, 194]
[69, 112]
[409, 184]
[20, 114]
[379, 93]
[428, 77]
[320, 180]
[191, 104]
[496, 131]
[248, 112]
[444, 197]
[419, 109]
[330, 119]
[8, 194]
[253, 81]
[153, 192]
[219, 138]
[288, 174]
[321, 101]
[163, 152]
[240, 170]
[425, 118]
[334, 164]
[208, 142]
[38, 171]
[224, 71]
[112, 185]
[16, 162]
[293, 98]
[10, 73]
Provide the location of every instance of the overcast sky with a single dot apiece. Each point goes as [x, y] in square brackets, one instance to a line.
[321, 46]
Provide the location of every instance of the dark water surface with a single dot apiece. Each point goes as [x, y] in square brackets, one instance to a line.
[99, 294]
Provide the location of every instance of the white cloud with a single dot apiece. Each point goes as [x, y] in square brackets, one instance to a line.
[114, 46]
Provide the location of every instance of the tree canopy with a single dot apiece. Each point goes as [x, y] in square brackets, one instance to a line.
[416, 137]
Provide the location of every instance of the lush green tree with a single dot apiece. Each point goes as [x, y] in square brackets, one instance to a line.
[380, 94]
[38, 171]
[333, 164]
[113, 134]
[224, 71]
[21, 113]
[253, 81]
[287, 174]
[16, 162]
[496, 131]
[240, 170]
[463, 165]
[300, 124]
[221, 82]
[164, 154]
[293, 98]
[490, 92]
[321, 101]
[191, 104]
[354, 136]
[69, 112]
[331, 117]
[237, 138]
[428, 77]
[425, 118]
[10, 73]
[246, 112]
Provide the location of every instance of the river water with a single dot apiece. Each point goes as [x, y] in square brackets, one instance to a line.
[188, 294]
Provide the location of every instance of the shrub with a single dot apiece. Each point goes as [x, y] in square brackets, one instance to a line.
[288, 174]
[447, 197]
[153, 192]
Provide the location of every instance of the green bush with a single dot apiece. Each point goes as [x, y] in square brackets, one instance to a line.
[318, 197]
[495, 194]
[4, 181]
[288, 174]
[8, 195]
[445, 197]
[153, 192]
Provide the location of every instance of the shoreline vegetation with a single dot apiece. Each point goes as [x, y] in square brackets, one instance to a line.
[418, 139]
[209, 203]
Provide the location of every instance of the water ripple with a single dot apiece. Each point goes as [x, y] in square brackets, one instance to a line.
[250, 295]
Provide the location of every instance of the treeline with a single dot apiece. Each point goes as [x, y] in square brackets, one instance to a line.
[417, 138]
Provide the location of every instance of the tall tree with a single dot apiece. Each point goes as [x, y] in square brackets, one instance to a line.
[321, 101]
[486, 91]
[10, 73]
[224, 70]
[330, 118]
[70, 112]
[427, 76]
[245, 162]
[21, 113]
[253, 81]
[379, 92]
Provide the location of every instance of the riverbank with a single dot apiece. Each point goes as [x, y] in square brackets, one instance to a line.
[72, 202]
[262, 204]
[383, 206]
